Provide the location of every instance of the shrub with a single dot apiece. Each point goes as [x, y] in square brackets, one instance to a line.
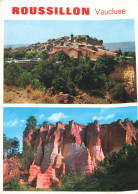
[109, 85]
[97, 92]
[37, 84]
[49, 99]
[24, 79]
[37, 94]
[118, 93]
[13, 185]
[29, 89]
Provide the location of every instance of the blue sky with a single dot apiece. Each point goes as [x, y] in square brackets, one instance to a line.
[32, 31]
[15, 118]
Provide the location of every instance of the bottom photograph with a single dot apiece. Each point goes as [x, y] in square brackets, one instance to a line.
[70, 149]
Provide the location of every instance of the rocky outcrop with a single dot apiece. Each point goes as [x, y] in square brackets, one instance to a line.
[115, 134]
[64, 147]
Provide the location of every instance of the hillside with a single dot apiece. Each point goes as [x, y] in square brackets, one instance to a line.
[67, 63]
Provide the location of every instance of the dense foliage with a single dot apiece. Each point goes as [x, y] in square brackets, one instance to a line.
[26, 157]
[31, 122]
[118, 172]
[118, 93]
[10, 146]
[64, 73]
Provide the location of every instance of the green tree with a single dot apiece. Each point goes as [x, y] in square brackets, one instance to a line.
[59, 84]
[61, 56]
[31, 122]
[10, 146]
[136, 124]
[26, 157]
[35, 83]
[6, 145]
[43, 55]
[12, 73]
[30, 54]
[18, 54]
[24, 79]
[119, 53]
[105, 64]
[7, 54]
[44, 72]
[45, 123]
[15, 145]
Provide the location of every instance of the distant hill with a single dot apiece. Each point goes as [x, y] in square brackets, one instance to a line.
[124, 46]
[15, 46]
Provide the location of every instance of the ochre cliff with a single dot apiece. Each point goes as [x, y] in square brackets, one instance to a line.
[125, 74]
[64, 146]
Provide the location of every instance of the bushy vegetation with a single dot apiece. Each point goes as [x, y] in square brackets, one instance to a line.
[125, 58]
[13, 185]
[117, 172]
[118, 93]
[64, 73]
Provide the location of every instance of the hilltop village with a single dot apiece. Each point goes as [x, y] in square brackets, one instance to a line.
[74, 46]
[76, 68]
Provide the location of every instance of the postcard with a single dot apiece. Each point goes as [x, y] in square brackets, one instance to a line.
[69, 110]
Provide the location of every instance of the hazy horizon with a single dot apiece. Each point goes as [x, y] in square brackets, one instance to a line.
[59, 37]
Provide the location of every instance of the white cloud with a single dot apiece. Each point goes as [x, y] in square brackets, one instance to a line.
[41, 116]
[22, 121]
[97, 118]
[103, 118]
[110, 116]
[57, 116]
[12, 123]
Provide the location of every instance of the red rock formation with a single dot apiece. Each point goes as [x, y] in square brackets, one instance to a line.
[115, 134]
[61, 147]
[93, 143]
[34, 171]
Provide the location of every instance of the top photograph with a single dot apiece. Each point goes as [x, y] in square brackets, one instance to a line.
[69, 62]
